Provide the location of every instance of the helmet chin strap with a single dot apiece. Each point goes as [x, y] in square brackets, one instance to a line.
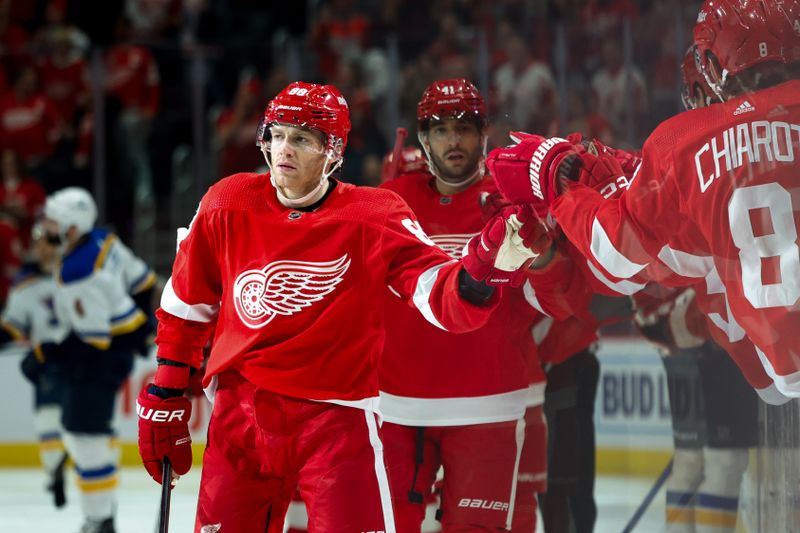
[475, 176]
[717, 84]
[308, 199]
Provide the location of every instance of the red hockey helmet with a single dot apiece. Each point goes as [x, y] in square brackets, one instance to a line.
[453, 98]
[744, 33]
[693, 80]
[308, 105]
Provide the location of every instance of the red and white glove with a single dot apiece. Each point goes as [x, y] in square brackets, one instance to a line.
[607, 170]
[527, 173]
[164, 425]
[492, 204]
[501, 253]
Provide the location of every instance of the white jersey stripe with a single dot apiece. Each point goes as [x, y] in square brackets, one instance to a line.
[410, 411]
[609, 257]
[541, 329]
[172, 304]
[788, 385]
[380, 473]
[535, 394]
[512, 498]
[530, 296]
[622, 287]
[686, 264]
[422, 293]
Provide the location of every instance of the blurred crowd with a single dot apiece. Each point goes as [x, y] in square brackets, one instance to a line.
[107, 93]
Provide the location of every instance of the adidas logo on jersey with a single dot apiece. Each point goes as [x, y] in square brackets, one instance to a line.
[745, 107]
[777, 111]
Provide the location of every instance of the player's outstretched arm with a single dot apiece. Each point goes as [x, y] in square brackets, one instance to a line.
[426, 277]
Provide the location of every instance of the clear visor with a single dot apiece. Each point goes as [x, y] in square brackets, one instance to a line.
[453, 130]
[278, 136]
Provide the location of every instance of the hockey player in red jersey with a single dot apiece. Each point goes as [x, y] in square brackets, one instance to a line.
[291, 266]
[721, 175]
[459, 401]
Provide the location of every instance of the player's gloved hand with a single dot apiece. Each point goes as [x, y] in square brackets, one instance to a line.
[33, 362]
[607, 170]
[529, 172]
[164, 432]
[602, 172]
[501, 253]
[31, 368]
[492, 204]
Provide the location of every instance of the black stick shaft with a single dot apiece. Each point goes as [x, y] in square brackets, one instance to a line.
[166, 482]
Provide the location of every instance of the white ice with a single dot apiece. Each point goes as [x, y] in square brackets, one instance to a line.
[26, 507]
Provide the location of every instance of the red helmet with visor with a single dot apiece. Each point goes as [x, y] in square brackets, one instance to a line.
[308, 105]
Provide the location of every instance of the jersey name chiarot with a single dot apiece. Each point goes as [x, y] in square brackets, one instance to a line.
[284, 288]
[746, 143]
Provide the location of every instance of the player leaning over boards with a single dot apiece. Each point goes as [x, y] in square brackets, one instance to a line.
[723, 174]
[101, 297]
[29, 316]
[291, 267]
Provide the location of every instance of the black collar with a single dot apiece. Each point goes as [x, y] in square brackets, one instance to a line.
[316, 205]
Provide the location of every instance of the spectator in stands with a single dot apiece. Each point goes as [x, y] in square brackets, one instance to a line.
[339, 34]
[21, 197]
[55, 22]
[10, 257]
[619, 89]
[525, 87]
[233, 136]
[30, 124]
[582, 117]
[451, 43]
[133, 84]
[64, 76]
[14, 39]
[153, 21]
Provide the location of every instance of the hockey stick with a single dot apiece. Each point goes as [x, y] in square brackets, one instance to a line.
[397, 152]
[648, 499]
[166, 492]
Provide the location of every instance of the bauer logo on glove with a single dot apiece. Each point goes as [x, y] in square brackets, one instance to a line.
[156, 415]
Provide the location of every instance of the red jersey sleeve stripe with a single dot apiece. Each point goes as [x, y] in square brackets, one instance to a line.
[172, 304]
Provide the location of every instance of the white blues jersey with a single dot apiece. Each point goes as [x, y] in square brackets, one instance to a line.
[30, 313]
[94, 287]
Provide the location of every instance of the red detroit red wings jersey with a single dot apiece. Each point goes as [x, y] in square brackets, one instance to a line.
[715, 199]
[430, 377]
[710, 298]
[297, 296]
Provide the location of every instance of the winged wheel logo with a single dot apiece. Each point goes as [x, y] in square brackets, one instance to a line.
[284, 288]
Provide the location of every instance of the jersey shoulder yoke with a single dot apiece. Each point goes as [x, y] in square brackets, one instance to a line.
[88, 257]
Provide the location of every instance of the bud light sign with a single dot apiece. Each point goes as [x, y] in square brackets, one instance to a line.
[632, 407]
